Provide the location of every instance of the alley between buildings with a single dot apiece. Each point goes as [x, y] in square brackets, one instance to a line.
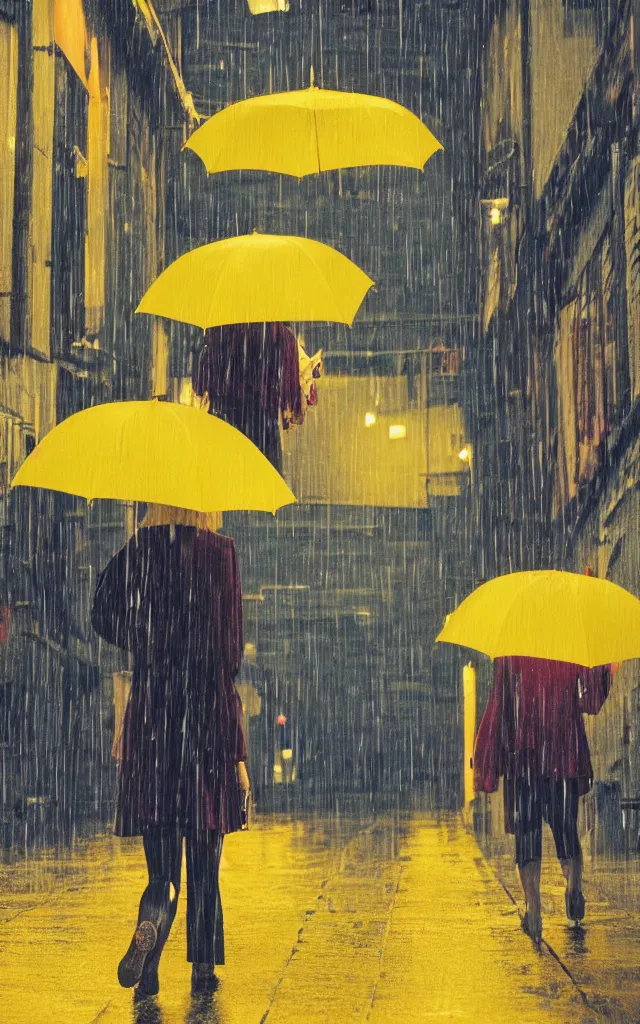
[479, 417]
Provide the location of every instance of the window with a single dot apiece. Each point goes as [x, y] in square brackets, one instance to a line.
[69, 208]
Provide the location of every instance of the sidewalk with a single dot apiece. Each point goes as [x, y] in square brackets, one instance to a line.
[398, 921]
[603, 957]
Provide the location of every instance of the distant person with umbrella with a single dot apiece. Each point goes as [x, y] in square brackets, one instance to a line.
[556, 639]
[172, 597]
[532, 734]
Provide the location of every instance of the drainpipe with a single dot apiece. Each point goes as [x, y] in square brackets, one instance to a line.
[527, 115]
[619, 285]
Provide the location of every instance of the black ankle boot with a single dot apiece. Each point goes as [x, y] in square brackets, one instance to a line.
[203, 979]
[142, 944]
[149, 984]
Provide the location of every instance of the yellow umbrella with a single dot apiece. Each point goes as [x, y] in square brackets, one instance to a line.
[155, 452]
[258, 278]
[312, 130]
[562, 616]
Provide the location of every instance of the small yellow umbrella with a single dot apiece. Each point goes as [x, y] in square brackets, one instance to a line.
[157, 452]
[560, 616]
[256, 279]
[311, 130]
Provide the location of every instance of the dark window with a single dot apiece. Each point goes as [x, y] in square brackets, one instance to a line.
[69, 210]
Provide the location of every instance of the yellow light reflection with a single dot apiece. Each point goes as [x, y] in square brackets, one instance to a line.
[469, 698]
[370, 419]
[186, 392]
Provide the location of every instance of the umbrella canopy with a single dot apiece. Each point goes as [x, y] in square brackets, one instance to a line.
[560, 616]
[155, 452]
[312, 130]
[256, 279]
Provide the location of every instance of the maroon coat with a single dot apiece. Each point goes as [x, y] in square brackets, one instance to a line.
[251, 373]
[172, 597]
[533, 726]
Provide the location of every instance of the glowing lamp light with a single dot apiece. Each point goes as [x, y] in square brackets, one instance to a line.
[370, 419]
[469, 675]
[397, 432]
[186, 392]
[496, 208]
[266, 6]
[463, 455]
[281, 720]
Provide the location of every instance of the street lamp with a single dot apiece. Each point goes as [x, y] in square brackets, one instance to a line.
[466, 456]
[496, 209]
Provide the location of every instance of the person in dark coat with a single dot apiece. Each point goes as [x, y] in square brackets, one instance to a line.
[532, 734]
[172, 597]
[251, 373]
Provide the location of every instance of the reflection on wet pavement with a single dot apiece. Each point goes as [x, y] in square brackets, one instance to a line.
[397, 919]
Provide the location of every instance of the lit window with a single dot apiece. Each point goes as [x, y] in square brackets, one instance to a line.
[369, 419]
[397, 432]
[266, 6]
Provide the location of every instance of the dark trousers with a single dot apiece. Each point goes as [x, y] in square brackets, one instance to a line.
[163, 850]
[557, 803]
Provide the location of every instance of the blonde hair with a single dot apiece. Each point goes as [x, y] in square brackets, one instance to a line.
[170, 515]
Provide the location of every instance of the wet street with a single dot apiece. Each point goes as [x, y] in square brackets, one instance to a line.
[383, 921]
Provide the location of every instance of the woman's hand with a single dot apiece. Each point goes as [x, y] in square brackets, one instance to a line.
[243, 777]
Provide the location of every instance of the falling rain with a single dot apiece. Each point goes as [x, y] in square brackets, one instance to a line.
[319, 511]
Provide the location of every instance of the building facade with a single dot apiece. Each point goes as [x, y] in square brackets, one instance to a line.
[92, 102]
[556, 430]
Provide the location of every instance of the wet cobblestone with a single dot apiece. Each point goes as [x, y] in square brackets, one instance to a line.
[400, 919]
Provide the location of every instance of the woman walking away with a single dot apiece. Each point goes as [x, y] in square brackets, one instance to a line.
[532, 734]
[172, 597]
[251, 374]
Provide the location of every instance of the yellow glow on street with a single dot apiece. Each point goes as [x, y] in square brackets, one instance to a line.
[324, 922]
